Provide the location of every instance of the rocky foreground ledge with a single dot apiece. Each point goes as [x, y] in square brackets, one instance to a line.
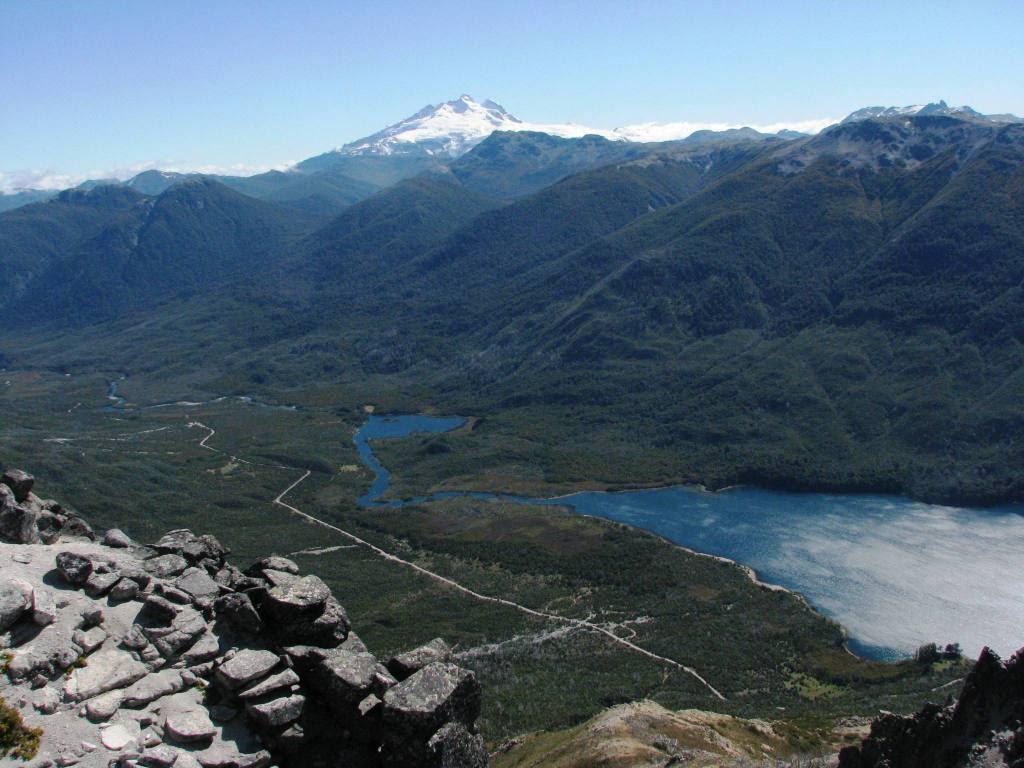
[983, 728]
[168, 655]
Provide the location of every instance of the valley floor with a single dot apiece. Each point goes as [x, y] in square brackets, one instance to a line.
[561, 616]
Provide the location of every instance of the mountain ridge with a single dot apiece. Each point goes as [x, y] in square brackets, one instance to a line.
[448, 130]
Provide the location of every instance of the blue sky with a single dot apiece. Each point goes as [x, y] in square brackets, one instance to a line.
[97, 85]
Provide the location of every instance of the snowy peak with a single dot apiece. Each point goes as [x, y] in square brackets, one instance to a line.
[453, 128]
[450, 128]
[935, 108]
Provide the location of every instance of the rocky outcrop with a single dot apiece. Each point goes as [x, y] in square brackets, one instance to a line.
[984, 727]
[27, 519]
[168, 655]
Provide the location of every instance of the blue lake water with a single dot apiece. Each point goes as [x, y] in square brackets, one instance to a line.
[894, 572]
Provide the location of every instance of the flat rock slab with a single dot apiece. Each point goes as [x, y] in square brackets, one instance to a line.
[106, 670]
[104, 706]
[50, 652]
[272, 563]
[405, 664]
[117, 736]
[189, 725]
[273, 683]
[244, 667]
[152, 687]
[206, 648]
[278, 712]
[90, 639]
[98, 584]
[197, 583]
[165, 566]
[174, 541]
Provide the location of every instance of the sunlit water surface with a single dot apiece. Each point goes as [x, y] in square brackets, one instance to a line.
[894, 572]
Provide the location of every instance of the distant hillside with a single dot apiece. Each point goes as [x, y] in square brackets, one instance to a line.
[111, 251]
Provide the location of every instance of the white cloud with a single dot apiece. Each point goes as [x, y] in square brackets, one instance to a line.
[680, 130]
[23, 179]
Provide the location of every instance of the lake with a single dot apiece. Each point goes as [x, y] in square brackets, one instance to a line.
[894, 572]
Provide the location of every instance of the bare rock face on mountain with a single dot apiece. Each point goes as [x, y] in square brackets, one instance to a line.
[985, 727]
[167, 655]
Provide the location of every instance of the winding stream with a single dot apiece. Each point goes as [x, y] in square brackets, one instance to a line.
[894, 572]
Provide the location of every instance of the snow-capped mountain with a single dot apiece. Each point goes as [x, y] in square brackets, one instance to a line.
[935, 108]
[455, 127]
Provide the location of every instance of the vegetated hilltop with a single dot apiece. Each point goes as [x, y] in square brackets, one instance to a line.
[834, 312]
[983, 727]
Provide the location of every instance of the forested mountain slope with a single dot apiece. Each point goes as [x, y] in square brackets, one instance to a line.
[838, 312]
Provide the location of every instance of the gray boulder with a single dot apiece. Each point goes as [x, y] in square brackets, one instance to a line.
[405, 664]
[125, 589]
[76, 527]
[20, 483]
[305, 658]
[204, 548]
[92, 616]
[104, 706]
[329, 629]
[7, 500]
[237, 609]
[204, 649]
[301, 599]
[138, 575]
[453, 746]
[19, 524]
[160, 609]
[439, 693]
[75, 569]
[117, 539]
[49, 526]
[346, 678]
